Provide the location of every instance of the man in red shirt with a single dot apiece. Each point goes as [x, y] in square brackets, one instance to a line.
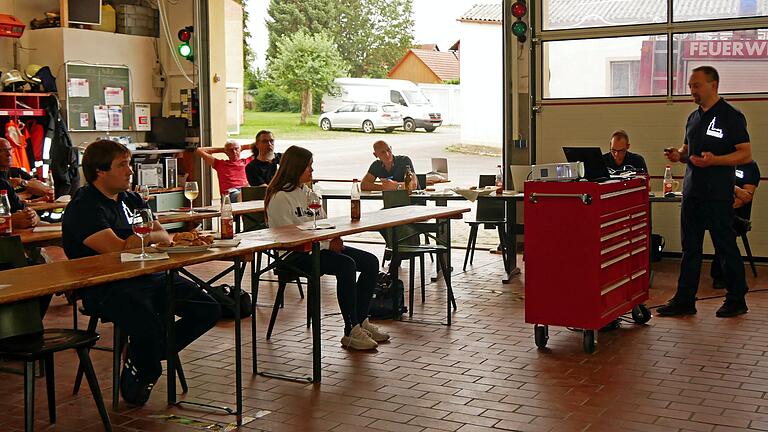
[231, 172]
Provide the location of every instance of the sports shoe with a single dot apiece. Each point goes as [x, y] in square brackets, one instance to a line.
[374, 332]
[134, 390]
[676, 307]
[731, 308]
[358, 340]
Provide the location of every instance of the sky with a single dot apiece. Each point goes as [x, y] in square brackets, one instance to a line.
[434, 22]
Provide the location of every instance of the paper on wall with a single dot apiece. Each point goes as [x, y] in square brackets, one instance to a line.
[78, 87]
[101, 117]
[114, 96]
[115, 117]
[85, 120]
[142, 117]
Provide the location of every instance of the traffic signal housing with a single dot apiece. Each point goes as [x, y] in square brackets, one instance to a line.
[519, 27]
[185, 47]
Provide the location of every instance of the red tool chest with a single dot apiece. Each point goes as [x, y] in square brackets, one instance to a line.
[586, 255]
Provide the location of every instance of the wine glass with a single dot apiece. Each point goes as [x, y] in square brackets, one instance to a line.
[315, 203]
[143, 190]
[142, 226]
[191, 191]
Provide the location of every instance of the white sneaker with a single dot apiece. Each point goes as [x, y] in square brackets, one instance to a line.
[376, 334]
[358, 340]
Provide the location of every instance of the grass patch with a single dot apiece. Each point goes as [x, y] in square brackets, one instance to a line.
[479, 150]
[285, 125]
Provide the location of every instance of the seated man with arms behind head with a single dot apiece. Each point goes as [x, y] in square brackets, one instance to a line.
[99, 220]
[23, 217]
[619, 156]
[388, 168]
[231, 172]
[265, 161]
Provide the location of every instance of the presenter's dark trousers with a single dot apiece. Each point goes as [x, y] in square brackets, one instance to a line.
[696, 217]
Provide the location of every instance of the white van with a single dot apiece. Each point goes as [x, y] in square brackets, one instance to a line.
[417, 111]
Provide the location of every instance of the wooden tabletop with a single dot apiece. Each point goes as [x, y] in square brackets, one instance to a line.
[290, 236]
[47, 206]
[26, 282]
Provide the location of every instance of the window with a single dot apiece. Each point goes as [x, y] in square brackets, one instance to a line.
[372, 108]
[586, 68]
[360, 108]
[740, 57]
[345, 108]
[572, 14]
[699, 10]
[396, 97]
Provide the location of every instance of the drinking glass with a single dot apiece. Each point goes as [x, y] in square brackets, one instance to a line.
[315, 203]
[143, 190]
[142, 226]
[191, 191]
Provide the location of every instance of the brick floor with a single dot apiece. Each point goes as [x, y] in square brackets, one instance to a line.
[484, 373]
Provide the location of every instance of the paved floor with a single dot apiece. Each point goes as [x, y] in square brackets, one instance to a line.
[484, 373]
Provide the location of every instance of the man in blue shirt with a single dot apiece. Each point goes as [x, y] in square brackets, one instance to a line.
[716, 140]
[99, 220]
[620, 158]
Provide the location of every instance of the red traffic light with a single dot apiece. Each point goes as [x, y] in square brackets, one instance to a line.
[185, 34]
[519, 9]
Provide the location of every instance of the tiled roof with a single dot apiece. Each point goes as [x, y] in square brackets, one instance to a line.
[444, 64]
[490, 13]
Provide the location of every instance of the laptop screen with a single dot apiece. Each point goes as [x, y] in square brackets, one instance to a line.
[594, 165]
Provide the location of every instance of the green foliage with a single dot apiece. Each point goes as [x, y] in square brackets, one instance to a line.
[270, 98]
[290, 16]
[250, 77]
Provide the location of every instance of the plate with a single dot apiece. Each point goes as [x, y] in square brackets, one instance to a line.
[182, 249]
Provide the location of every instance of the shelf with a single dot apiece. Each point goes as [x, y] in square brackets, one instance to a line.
[22, 104]
[21, 112]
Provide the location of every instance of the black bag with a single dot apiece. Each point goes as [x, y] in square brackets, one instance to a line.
[381, 303]
[657, 246]
[225, 295]
[741, 225]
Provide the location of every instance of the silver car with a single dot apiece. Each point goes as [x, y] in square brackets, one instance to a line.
[367, 116]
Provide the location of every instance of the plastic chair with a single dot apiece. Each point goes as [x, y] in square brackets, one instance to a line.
[491, 214]
[23, 338]
[410, 248]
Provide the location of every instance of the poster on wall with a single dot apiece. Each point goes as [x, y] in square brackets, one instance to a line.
[78, 87]
[115, 117]
[142, 117]
[101, 117]
[114, 96]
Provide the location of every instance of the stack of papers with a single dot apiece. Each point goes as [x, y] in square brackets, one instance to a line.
[472, 194]
[225, 243]
[131, 257]
[47, 228]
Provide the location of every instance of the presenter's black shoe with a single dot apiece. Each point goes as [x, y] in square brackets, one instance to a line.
[676, 307]
[732, 308]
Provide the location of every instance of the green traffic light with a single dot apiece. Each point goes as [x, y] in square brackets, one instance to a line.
[185, 50]
[519, 28]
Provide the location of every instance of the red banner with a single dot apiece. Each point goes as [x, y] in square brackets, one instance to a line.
[738, 49]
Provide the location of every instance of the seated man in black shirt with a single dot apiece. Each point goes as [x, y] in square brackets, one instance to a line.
[746, 178]
[265, 161]
[620, 158]
[98, 220]
[388, 168]
[23, 217]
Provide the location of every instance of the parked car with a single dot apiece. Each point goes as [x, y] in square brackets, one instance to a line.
[367, 116]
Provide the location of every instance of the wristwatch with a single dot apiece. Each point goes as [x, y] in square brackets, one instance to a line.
[24, 183]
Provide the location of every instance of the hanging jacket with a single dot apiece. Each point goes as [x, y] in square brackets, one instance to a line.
[63, 156]
[17, 135]
[36, 134]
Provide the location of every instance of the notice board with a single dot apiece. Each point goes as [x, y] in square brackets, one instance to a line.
[94, 91]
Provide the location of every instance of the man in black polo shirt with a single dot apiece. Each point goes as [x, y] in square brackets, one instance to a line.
[746, 178]
[265, 161]
[620, 157]
[98, 220]
[388, 168]
[716, 140]
[23, 217]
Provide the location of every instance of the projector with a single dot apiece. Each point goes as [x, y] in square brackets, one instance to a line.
[566, 171]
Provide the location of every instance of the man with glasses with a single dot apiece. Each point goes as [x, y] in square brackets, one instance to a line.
[265, 161]
[231, 172]
[23, 217]
[620, 158]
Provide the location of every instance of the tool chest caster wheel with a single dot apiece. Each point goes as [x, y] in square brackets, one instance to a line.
[641, 314]
[541, 335]
[590, 341]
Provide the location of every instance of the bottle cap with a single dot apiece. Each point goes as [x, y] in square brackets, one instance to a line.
[3, 192]
[355, 180]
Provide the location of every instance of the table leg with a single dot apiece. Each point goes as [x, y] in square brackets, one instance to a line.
[170, 337]
[511, 265]
[393, 273]
[239, 269]
[314, 296]
[448, 270]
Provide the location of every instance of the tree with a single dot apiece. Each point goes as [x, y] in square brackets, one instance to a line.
[287, 17]
[372, 35]
[305, 64]
[250, 76]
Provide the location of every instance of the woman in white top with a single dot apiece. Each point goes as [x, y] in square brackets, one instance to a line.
[286, 201]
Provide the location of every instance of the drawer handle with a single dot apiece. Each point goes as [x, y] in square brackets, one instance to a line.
[612, 287]
[622, 192]
[638, 250]
[614, 247]
[637, 239]
[612, 235]
[637, 274]
[615, 260]
[639, 226]
[637, 215]
[585, 198]
[613, 222]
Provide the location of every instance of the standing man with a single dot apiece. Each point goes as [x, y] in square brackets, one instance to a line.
[22, 217]
[265, 163]
[620, 156]
[388, 168]
[231, 172]
[716, 140]
[99, 220]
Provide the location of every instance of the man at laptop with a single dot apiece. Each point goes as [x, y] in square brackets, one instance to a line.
[620, 158]
[388, 168]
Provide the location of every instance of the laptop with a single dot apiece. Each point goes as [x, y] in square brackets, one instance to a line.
[439, 166]
[595, 168]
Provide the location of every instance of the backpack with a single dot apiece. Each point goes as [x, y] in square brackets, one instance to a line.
[385, 290]
[225, 296]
